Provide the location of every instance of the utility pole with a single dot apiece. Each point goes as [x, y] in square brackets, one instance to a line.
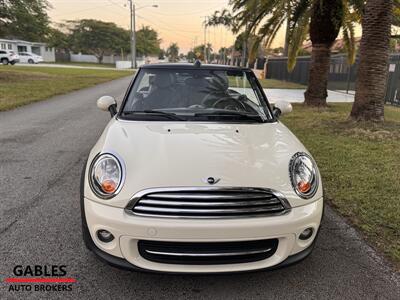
[205, 39]
[133, 34]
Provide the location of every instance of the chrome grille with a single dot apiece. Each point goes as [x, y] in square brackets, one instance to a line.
[211, 253]
[208, 203]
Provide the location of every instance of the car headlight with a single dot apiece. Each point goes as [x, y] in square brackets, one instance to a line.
[106, 176]
[303, 175]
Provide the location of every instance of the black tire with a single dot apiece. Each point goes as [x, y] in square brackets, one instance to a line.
[30, 61]
[4, 61]
[13, 63]
[87, 239]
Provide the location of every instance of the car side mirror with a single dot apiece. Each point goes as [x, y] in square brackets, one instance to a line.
[108, 103]
[282, 107]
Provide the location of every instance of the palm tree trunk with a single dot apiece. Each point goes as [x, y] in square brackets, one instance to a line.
[374, 56]
[316, 92]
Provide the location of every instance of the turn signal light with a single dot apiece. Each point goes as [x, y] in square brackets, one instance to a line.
[109, 186]
[304, 187]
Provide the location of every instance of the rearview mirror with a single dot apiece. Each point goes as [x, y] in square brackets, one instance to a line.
[108, 103]
[282, 107]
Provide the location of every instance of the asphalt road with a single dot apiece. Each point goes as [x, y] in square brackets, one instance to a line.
[42, 149]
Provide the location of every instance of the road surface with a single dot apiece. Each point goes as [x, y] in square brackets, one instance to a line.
[42, 149]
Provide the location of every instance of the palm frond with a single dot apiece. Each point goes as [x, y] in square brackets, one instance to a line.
[297, 35]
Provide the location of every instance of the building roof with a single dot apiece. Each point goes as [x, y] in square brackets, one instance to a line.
[21, 42]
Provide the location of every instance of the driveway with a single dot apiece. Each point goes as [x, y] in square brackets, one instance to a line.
[42, 149]
[297, 96]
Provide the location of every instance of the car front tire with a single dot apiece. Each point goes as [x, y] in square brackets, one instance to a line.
[31, 61]
[4, 61]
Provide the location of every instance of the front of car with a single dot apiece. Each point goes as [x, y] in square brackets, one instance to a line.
[13, 57]
[34, 58]
[195, 174]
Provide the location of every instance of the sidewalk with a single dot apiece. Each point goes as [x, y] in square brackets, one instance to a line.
[70, 67]
[297, 95]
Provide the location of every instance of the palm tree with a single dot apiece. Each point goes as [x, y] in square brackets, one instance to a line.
[374, 56]
[147, 41]
[173, 52]
[326, 20]
[321, 19]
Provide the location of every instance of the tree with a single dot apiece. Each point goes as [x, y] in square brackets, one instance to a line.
[191, 56]
[265, 18]
[222, 55]
[199, 52]
[173, 52]
[374, 57]
[98, 38]
[226, 19]
[24, 19]
[326, 20]
[147, 42]
[161, 54]
[246, 40]
[59, 39]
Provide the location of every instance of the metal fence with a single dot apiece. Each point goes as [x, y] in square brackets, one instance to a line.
[393, 86]
[342, 76]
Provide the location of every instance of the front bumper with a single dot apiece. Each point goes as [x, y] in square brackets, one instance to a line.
[128, 230]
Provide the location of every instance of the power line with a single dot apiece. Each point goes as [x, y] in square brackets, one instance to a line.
[172, 28]
[117, 4]
[167, 27]
[175, 33]
[81, 10]
[188, 13]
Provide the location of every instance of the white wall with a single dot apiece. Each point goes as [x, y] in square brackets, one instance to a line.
[83, 58]
[110, 59]
[48, 54]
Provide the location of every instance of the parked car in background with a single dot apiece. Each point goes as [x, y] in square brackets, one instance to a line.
[8, 57]
[30, 58]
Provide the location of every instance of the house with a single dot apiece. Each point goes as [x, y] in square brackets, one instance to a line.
[41, 49]
[337, 47]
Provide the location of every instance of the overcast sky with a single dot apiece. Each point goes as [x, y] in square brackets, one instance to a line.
[176, 20]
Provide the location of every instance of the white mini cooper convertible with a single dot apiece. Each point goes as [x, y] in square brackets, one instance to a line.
[194, 173]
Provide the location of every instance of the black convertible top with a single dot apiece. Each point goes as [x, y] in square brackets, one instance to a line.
[189, 66]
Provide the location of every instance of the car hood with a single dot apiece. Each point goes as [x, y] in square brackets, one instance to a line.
[176, 154]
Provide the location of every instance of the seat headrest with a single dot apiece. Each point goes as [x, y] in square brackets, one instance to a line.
[163, 80]
[197, 82]
[221, 81]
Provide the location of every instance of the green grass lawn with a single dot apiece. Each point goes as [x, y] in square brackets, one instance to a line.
[267, 84]
[360, 167]
[23, 85]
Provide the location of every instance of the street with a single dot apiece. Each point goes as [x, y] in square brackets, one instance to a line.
[43, 147]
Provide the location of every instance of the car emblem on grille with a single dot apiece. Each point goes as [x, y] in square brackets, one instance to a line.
[211, 180]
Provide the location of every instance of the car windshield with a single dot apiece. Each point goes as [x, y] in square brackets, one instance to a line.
[195, 95]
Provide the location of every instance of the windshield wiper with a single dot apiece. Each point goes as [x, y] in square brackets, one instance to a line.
[168, 115]
[257, 118]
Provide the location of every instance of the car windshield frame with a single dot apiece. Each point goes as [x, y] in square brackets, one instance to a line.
[264, 114]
